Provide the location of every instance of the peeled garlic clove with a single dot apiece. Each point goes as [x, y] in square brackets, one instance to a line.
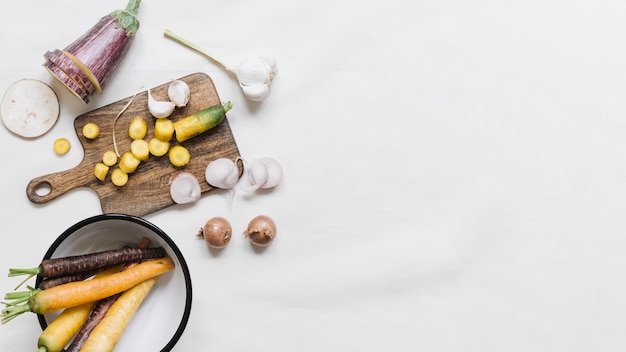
[255, 75]
[185, 188]
[179, 93]
[222, 173]
[274, 172]
[159, 109]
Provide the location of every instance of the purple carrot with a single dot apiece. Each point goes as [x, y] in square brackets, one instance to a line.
[73, 264]
[59, 280]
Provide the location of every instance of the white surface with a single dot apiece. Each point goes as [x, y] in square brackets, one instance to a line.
[455, 171]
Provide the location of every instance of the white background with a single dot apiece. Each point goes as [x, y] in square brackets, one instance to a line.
[455, 171]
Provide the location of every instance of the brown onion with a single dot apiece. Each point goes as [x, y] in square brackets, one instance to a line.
[261, 230]
[216, 232]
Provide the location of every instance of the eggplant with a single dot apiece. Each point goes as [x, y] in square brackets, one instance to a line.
[87, 64]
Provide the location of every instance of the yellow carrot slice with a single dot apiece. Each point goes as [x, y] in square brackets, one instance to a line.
[100, 171]
[108, 332]
[119, 177]
[61, 146]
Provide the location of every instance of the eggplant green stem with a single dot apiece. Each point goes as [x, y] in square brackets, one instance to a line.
[127, 18]
[169, 34]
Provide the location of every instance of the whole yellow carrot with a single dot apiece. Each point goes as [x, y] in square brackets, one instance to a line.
[108, 332]
[61, 330]
[76, 293]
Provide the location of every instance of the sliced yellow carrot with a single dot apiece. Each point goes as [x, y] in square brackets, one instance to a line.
[140, 149]
[179, 156]
[158, 147]
[109, 158]
[137, 128]
[108, 332]
[119, 177]
[164, 129]
[91, 130]
[61, 146]
[128, 163]
[100, 171]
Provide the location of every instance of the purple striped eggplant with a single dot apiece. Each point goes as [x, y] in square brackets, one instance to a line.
[86, 65]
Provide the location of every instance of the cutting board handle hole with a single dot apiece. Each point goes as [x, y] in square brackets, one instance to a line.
[43, 189]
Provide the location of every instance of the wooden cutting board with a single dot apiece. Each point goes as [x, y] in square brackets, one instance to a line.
[147, 189]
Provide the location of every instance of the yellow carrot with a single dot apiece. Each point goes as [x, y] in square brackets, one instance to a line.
[61, 330]
[76, 293]
[108, 332]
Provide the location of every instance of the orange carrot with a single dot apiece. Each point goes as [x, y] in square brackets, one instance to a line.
[76, 293]
[108, 332]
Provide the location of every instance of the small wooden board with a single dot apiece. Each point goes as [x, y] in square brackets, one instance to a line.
[147, 189]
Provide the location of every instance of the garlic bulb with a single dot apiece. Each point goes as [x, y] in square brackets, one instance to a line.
[179, 93]
[255, 75]
[159, 109]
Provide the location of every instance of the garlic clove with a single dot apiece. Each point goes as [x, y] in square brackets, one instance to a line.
[185, 188]
[222, 173]
[179, 93]
[159, 109]
[274, 172]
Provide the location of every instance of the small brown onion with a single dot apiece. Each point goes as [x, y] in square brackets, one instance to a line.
[261, 230]
[216, 232]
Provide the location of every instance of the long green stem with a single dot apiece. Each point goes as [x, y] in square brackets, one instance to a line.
[168, 33]
[18, 272]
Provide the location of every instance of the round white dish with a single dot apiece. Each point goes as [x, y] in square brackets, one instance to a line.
[161, 319]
